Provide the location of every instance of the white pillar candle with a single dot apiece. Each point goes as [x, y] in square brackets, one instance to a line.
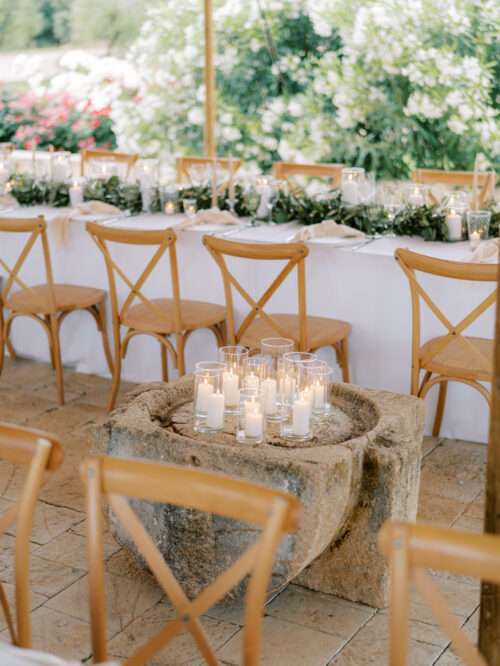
[250, 405]
[254, 420]
[251, 381]
[454, 224]
[350, 191]
[75, 195]
[300, 417]
[265, 195]
[319, 390]
[230, 387]
[147, 197]
[215, 411]
[308, 395]
[269, 391]
[475, 239]
[59, 172]
[204, 390]
[169, 208]
[416, 198]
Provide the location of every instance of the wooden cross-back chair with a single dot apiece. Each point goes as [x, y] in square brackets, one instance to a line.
[484, 181]
[286, 170]
[453, 356]
[412, 548]
[184, 163]
[274, 511]
[48, 304]
[40, 453]
[129, 159]
[308, 333]
[158, 317]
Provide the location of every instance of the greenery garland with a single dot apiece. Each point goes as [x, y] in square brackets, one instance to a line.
[428, 222]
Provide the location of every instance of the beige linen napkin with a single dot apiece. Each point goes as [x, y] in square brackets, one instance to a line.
[210, 216]
[324, 229]
[486, 252]
[61, 223]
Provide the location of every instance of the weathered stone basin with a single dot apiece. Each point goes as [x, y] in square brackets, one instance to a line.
[361, 468]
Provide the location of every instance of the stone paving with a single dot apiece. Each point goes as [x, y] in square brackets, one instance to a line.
[300, 627]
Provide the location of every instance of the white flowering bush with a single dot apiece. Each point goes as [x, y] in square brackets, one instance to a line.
[386, 84]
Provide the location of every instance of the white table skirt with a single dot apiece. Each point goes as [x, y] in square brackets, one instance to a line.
[359, 284]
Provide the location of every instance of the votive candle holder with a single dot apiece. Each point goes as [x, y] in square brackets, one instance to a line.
[251, 421]
[208, 378]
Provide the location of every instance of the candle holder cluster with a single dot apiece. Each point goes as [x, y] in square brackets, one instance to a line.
[277, 389]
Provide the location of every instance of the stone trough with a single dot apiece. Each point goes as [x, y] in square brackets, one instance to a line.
[361, 468]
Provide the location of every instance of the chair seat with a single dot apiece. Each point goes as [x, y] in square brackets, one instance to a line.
[194, 315]
[457, 359]
[67, 297]
[321, 331]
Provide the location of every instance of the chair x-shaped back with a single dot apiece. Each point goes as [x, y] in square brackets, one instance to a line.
[411, 262]
[293, 253]
[41, 453]
[275, 512]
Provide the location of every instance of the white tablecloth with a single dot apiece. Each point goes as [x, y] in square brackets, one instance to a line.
[361, 284]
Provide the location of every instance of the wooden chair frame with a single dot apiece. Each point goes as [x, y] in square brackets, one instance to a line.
[411, 262]
[123, 158]
[41, 453]
[115, 479]
[283, 171]
[293, 253]
[412, 548]
[51, 319]
[183, 163]
[483, 180]
[165, 240]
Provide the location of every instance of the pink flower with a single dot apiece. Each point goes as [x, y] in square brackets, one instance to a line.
[89, 142]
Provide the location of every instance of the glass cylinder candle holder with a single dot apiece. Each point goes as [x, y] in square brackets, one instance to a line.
[293, 377]
[169, 199]
[208, 396]
[318, 387]
[352, 184]
[416, 195]
[234, 357]
[275, 349]
[256, 370]
[60, 166]
[296, 417]
[251, 422]
[478, 226]
[189, 207]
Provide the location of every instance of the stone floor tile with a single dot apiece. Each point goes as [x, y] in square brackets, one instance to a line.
[232, 611]
[7, 471]
[60, 634]
[182, 650]
[439, 511]
[287, 644]
[71, 549]
[476, 509]
[46, 577]
[370, 646]
[318, 611]
[429, 444]
[18, 406]
[469, 524]
[7, 551]
[65, 489]
[64, 420]
[461, 596]
[50, 521]
[36, 600]
[127, 599]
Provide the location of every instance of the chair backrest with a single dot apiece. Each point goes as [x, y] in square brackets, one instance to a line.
[293, 253]
[115, 479]
[185, 163]
[37, 230]
[482, 183]
[40, 453]
[164, 240]
[412, 548]
[284, 170]
[122, 158]
[412, 262]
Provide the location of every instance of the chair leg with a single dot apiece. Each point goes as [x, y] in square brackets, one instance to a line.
[164, 363]
[51, 346]
[342, 352]
[180, 343]
[2, 339]
[117, 374]
[443, 388]
[56, 352]
[101, 319]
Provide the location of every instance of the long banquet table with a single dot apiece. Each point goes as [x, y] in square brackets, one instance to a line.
[359, 283]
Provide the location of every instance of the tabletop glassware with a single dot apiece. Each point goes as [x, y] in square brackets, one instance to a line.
[478, 226]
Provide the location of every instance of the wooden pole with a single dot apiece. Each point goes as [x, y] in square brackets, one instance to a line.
[210, 96]
[489, 622]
